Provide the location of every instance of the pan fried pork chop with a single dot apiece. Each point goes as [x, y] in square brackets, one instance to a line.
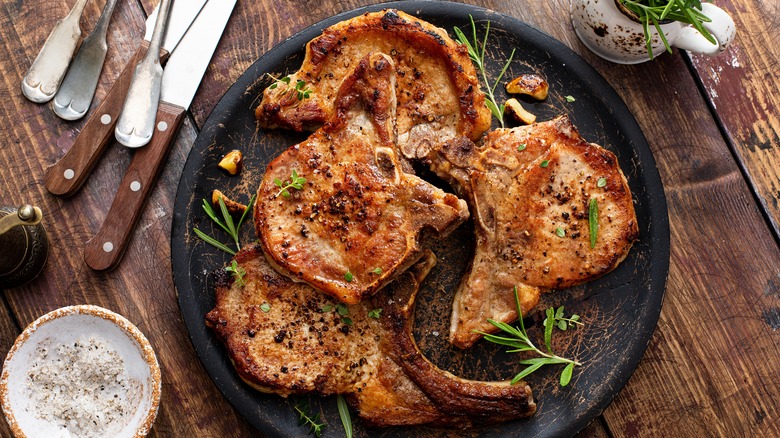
[356, 223]
[437, 88]
[529, 189]
[303, 343]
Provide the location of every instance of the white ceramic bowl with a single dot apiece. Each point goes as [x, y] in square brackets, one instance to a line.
[67, 325]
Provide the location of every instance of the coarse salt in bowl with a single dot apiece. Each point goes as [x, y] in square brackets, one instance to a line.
[80, 371]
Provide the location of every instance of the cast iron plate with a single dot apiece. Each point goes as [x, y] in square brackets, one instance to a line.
[620, 310]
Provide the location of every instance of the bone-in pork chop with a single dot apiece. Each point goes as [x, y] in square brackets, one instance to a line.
[530, 190]
[286, 338]
[437, 88]
[357, 221]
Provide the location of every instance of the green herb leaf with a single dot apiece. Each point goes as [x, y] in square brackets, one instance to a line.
[545, 163]
[213, 242]
[265, 307]
[566, 374]
[593, 221]
[559, 313]
[377, 271]
[346, 419]
[521, 148]
[526, 372]
[560, 232]
[342, 310]
[548, 328]
[375, 313]
[346, 320]
[562, 325]
[570, 98]
[349, 277]
[602, 182]
[296, 182]
[326, 308]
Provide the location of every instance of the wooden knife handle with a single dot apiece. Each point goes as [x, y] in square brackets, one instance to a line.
[66, 176]
[105, 250]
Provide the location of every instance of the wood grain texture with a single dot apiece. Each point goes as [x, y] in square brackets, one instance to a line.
[711, 367]
[742, 86]
[32, 139]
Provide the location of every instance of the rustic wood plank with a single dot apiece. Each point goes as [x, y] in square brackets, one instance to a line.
[705, 369]
[713, 334]
[141, 288]
[741, 85]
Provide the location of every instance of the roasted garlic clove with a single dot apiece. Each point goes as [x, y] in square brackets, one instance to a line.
[233, 207]
[529, 84]
[232, 162]
[519, 113]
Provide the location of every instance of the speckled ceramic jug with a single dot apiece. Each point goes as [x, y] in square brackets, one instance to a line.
[24, 246]
[615, 34]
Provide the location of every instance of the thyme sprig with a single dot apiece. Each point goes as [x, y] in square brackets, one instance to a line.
[520, 341]
[305, 418]
[226, 223]
[652, 12]
[301, 90]
[477, 54]
[237, 271]
[295, 182]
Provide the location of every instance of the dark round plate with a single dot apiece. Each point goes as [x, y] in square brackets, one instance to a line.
[620, 310]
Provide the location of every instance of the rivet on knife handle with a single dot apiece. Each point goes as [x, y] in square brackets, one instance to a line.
[105, 250]
[46, 72]
[78, 88]
[66, 176]
[136, 122]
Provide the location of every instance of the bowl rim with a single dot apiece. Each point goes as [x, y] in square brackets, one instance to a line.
[146, 350]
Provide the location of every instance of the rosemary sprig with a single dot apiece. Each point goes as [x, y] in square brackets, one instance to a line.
[652, 12]
[295, 182]
[226, 223]
[477, 54]
[520, 341]
[346, 419]
[305, 418]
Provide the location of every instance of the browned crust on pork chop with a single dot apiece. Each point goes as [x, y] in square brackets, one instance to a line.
[303, 345]
[357, 221]
[438, 91]
[529, 190]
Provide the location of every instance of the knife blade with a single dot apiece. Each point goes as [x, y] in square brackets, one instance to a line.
[67, 175]
[180, 82]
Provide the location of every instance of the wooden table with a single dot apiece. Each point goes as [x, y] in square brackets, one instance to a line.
[712, 365]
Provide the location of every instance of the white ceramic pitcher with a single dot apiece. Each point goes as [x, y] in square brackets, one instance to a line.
[611, 33]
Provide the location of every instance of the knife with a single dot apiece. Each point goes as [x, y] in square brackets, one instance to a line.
[180, 81]
[67, 175]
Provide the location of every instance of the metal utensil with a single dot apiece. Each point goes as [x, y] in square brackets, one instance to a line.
[67, 175]
[180, 81]
[46, 72]
[78, 88]
[136, 121]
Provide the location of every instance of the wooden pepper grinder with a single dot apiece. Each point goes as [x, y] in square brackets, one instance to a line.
[24, 246]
